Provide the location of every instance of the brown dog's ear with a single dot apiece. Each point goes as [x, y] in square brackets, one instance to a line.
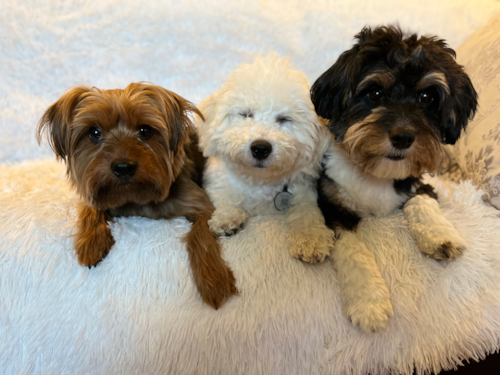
[183, 109]
[57, 119]
[174, 108]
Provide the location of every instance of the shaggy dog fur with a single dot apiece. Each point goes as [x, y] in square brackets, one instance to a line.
[133, 152]
[265, 142]
[392, 102]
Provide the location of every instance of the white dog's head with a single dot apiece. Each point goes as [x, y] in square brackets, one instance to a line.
[262, 122]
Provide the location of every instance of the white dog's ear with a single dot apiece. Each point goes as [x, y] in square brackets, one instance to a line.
[208, 142]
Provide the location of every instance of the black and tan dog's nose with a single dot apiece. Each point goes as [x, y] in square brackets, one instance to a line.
[124, 168]
[261, 149]
[402, 139]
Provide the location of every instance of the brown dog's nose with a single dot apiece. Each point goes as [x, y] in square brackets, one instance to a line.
[402, 139]
[124, 168]
[261, 149]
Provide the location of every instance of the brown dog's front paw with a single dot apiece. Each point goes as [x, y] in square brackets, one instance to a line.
[93, 247]
[213, 278]
[215, 286]
[94, 239]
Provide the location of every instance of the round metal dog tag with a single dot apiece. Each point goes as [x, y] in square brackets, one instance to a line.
[283, 201]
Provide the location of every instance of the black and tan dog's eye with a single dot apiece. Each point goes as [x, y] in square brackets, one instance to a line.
[426, 97]
[376, 94]
[146, 131]
[95, 134]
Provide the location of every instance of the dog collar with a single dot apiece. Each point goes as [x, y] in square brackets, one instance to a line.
[283, 200]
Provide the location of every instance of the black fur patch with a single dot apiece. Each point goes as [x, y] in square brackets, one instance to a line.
[427, 189]
[412, 186]
[405, 187]
[336, 216]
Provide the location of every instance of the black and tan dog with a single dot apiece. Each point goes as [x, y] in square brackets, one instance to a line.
[134, 152]
[391, 102]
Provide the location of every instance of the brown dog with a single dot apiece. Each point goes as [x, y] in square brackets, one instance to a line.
[134, 152]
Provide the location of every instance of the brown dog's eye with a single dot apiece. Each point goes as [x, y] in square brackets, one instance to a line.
[146, 131]
[95, 134]
[376, 94]
[426, 97]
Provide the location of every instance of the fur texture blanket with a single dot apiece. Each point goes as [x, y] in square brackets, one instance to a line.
[138, 312]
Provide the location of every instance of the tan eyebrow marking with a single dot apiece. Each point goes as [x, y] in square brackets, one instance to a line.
[431, 79]
[383, 79]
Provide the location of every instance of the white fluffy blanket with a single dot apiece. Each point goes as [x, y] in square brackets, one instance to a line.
[138, 312]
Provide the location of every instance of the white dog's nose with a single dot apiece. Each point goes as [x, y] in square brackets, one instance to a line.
[261, 149]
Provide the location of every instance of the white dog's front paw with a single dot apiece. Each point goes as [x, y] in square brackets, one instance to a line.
[227, 221]
[372, 314]
[311, 246]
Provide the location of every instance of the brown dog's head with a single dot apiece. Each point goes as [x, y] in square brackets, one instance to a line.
[120, 146]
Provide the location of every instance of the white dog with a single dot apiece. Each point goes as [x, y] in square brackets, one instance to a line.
[264, 144]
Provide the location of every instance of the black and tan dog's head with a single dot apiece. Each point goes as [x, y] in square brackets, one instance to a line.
[392, 101]
[120, 146]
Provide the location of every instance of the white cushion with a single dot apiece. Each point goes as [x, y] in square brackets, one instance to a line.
[139, 312]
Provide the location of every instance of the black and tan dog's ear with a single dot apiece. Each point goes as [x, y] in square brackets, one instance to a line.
[332, 93]
[56, 120]
[460, 106]
[333, 90]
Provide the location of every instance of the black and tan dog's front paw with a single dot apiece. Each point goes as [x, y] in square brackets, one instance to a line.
[372, 314]
[440, 242]
[447, 252]
[434, 234]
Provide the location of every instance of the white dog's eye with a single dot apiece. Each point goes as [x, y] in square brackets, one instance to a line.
[281, 119]
[246, 114]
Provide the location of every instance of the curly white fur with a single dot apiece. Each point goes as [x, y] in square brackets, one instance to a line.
[265, 101]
